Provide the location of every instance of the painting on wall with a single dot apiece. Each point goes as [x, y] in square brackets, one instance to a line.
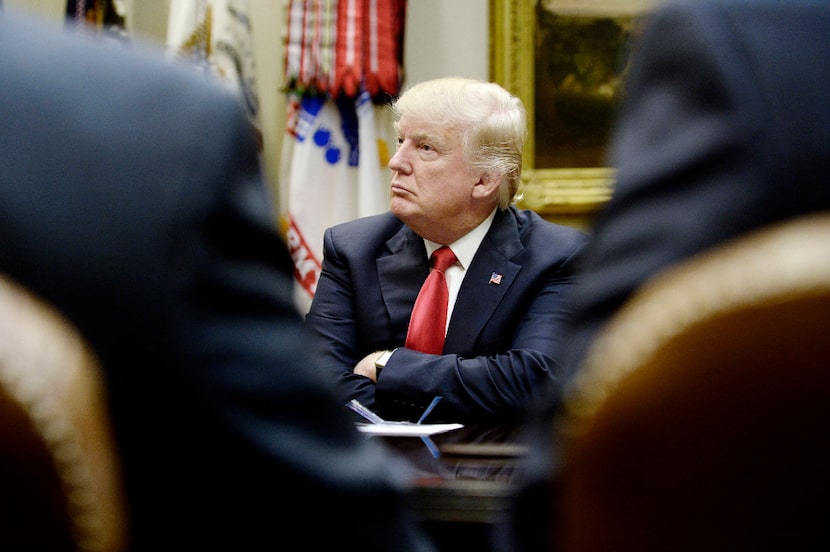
[567, 61]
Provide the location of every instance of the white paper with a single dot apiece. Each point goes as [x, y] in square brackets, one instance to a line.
[405, 429]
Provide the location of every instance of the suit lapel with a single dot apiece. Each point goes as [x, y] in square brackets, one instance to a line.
[401, 274]
[403, 271]
[479, 297]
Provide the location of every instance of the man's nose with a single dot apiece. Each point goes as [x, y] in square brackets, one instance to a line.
[398, 162]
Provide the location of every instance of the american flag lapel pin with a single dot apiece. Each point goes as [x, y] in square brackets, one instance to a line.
[495, 278]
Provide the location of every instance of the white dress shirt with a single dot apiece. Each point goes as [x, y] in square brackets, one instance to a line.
[465, 249]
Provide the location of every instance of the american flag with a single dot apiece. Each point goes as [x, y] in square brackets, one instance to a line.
[495, 278]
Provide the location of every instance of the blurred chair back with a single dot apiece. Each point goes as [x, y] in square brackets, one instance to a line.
[700, 419]
[59, 480]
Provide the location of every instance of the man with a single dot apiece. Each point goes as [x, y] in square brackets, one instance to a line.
[725, 129]
[131, 198]
[454, 175]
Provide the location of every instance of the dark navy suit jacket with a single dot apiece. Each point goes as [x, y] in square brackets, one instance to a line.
[503, 341]
[725, 129]
[131, 198]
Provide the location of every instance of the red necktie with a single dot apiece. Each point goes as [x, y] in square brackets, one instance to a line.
[428, 323]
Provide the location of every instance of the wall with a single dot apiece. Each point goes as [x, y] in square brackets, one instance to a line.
[446, 37]
[442, 37]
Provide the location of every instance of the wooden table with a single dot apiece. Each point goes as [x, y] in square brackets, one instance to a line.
[464, 481]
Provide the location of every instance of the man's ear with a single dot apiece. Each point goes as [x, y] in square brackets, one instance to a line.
[487, 185]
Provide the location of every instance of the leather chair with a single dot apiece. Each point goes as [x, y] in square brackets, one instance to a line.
[59, 480]
[700, 419]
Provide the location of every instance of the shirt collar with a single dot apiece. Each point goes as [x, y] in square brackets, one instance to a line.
[466, 246]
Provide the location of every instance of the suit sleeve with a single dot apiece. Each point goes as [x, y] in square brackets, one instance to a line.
[335, 323]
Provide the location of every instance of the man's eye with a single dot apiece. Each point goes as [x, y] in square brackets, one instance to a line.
[426, 147]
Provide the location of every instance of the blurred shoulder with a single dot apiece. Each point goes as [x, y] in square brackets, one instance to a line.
[748, 11]
[94, 66]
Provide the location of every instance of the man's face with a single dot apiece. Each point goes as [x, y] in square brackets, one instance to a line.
[432, 183]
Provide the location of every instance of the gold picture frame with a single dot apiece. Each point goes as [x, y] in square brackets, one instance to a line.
[558, 191]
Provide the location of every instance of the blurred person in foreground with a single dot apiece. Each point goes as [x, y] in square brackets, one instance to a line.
[455, 174]
[725, 129]
[131, 198]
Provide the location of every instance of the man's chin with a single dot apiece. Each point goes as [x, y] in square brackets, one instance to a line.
[400, 208]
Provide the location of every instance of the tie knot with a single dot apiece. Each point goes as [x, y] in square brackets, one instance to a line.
[443, 258]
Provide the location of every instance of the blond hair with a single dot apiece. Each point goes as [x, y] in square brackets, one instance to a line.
[492, 123]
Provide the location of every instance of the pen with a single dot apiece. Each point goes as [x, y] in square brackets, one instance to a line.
[355, 405]
[429, 409]
[431, 446]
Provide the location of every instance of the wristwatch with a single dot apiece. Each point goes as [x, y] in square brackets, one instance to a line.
[381, 361]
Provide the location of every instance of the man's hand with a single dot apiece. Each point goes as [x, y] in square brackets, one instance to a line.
[366, 367]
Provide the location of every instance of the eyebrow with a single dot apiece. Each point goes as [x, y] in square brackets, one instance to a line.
[421, 136]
